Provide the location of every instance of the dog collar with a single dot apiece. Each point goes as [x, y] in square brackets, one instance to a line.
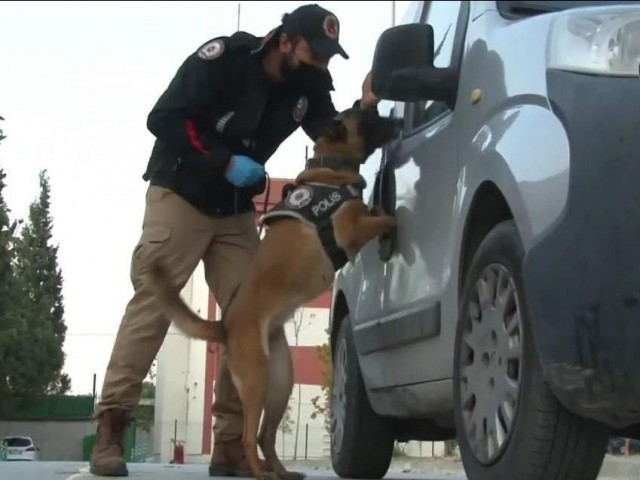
[334, 162]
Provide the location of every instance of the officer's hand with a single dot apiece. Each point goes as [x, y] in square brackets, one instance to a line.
[369, 100]
[243, 171]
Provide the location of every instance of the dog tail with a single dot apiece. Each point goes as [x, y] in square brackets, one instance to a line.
[175, 308]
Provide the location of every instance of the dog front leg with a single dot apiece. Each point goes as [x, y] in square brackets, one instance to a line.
[372, 226]
[364, 229]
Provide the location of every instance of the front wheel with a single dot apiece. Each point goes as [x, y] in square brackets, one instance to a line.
[510, 425]
[361, 440]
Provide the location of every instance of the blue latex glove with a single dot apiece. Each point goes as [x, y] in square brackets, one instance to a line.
[243, 171]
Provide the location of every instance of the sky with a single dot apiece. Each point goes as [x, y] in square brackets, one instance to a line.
[77, 81]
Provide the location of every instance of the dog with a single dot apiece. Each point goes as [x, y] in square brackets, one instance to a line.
[320, 225]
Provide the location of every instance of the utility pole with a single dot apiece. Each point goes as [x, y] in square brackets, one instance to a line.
[238, 25]
[393, 13]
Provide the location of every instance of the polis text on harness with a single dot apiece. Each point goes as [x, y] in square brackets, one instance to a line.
[315, 203]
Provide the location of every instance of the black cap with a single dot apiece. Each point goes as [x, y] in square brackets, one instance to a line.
[318, 26]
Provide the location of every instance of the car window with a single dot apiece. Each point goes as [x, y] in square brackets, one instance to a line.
[443, 17]
[17, 442]
[413, 14]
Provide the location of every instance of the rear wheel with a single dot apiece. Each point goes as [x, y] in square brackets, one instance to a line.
[361, 441]
[510, 425]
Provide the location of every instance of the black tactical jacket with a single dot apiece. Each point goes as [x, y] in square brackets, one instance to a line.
[221, 103]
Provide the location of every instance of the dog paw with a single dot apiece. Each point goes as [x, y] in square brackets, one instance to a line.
[287, 475]
[386, 246]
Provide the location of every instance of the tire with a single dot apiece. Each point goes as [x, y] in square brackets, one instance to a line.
[543, 440]
[365, 447]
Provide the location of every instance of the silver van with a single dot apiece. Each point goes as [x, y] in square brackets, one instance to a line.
[504, 311]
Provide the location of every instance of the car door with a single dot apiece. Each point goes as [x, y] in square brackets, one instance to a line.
[369, 271]
[417, 182]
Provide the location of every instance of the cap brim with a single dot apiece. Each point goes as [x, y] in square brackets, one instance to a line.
[326, 47]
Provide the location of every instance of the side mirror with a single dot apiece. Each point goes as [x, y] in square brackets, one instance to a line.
[403, 68]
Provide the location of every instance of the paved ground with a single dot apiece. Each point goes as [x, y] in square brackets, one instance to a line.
[615, 468]
[79, 471]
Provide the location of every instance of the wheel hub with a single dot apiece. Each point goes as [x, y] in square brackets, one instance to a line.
[491, 363]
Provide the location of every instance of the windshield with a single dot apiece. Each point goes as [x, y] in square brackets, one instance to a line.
[528, 9]
[16, 442]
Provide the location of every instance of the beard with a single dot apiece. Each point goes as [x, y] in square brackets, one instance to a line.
[289, 67]
[302, 74]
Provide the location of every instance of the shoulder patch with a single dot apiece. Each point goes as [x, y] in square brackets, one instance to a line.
[212, 49]
[300, 109]
[299, 197]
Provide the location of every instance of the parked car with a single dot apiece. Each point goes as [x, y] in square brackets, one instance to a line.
[505, 309]
[20, 448]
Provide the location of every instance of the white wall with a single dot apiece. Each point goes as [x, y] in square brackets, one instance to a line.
[180, 381]
[317, 440]
[312, 324]
[424, 449]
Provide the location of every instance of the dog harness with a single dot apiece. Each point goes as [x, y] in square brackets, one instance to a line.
[315, 203]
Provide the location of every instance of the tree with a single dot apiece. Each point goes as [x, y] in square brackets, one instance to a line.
[297, 328]
[322, 403]
[450, 447]
[287, 422]
[9, 292]
[399, 449]
[38, 351]
[144, 413]
[286, 425]
[2, 135]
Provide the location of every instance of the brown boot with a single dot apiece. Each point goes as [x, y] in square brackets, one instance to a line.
[228, 460]
[107, 457]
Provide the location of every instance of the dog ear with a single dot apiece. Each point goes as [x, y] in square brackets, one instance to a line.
[335, 132]
[378, 130]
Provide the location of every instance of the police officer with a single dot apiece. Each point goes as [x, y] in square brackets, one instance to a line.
[229, 107]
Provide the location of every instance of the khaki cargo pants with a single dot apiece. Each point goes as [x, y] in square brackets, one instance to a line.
[180, 236]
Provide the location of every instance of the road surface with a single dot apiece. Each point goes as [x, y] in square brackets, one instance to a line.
[618, 470]
[149, 471]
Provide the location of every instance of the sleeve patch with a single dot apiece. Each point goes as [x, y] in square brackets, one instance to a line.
[300, 109]
[211, 50]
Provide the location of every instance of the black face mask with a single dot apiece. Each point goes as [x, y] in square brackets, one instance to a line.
[306, 76]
